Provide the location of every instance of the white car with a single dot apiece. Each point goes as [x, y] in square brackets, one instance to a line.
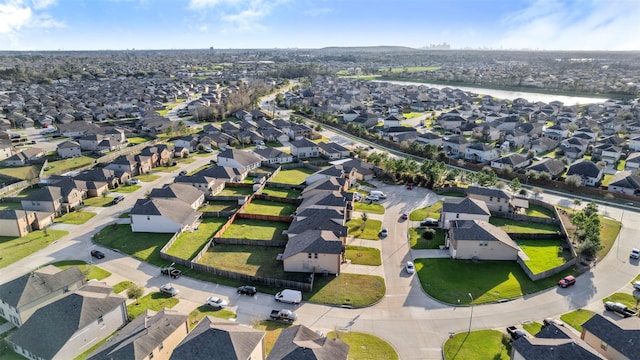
[410, 268]
[134, 181]
[216, 302]
[635, 253]
[169, 290]
[636, 285]
[372, 198]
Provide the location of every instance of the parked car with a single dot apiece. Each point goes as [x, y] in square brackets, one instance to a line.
[516, 333]
[567, 281]
[117, 199]
[404, 217]
[410, 268]
[169, 290]
[289, 296]
[134, 181]
[170, 271]
[372, 198]
[619, 308]
[431, 222]
[183, 173]
[384, 232]
[636, 285]
[247, 290]
[216, 302]
[97, 254]
[549, 321]
[635, 254]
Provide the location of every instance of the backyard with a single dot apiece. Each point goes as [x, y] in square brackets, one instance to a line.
[266, 207]
[146, 246]
[369, 229]
[217, 206]
[14, 249]
[5, 205]
[256, 230]
[62, 166]
[350, 289]
[237, 191]
[293, 176]
[21, 172]
[521, 227]
[539, 211]
[189, 243]
[544, 254]
[283, 193]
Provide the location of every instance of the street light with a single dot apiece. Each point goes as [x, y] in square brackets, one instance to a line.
[471, 317]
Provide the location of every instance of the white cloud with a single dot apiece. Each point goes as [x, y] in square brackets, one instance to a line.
[16, 15]
[203, 28]
[200, 4]
[582, 25]
[239, 15]
[318, 11]
[42, 4]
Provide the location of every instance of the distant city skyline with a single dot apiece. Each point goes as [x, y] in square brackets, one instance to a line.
[264, 24]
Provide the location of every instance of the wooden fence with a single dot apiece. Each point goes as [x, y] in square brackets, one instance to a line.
[237, 241]
[285, 219]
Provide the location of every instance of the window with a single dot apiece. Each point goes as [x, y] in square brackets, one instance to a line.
[151, 355]
[148, 218]
[309, 255]
[161, 346]
[604, 345]
[457, 216]
[315, 256]
[490, 198]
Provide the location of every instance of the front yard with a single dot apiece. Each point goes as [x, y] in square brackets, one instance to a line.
[293, 176]
[76, 217]
[98, 201]
[369, 229]
[204, 310]
[432, 211]
[142, 246]
[90, 271]
[127, 189]
[417, 241]
[479, 344]
[365, 346]
[350, 289]
[155, 301]
[576, 318]
[190, 243]
[362, 255]
[14, 249]
[256, 230]
[544, 254]
[368, 208]
[265, 207]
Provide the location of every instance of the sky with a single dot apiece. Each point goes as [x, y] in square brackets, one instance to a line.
[262, 24]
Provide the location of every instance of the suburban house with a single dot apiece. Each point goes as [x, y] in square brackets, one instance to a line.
[69, 149]
[333, 150]
[304, 148]
[18, 223]
[160, 154]
[514, 161]
[363, 170]
[6, 149]
[553, 343]
[151, 335]
[228, 339]
[633, 161]
[128, 163]
[186, 193]
[455, 146]
[208, 185]
[25, 157]
[480, 152]
[225, 173]
[590, 173]
[476, 239]
[46, 199]
[463, 209]
[273, 156]
[70, 325]
[111, 177]
[617, 339]
[239, 159]
[543, 145]
[553, 167]
[334, 171]
[300, 342]
[163, 215]
[21, 297]
[625, 182]
[314, 251]
[430, 138]
[496, 199]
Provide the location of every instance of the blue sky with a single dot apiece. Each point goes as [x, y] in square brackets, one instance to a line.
[189, 24]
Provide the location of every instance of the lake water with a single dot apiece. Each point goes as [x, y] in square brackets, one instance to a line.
[506, 94]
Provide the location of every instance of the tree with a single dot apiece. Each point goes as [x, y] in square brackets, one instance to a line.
[135, 291]
[500, 185]
[536, 192]
[573, 181]
[576, 202]
[515, 185]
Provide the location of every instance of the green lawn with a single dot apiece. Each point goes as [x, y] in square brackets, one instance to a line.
[488, 281]
[283, 193]
[256, 230]
[479, 344]
[76, 217]
[368, 208]
[155, 301]
[544, 254]
[124, 215]
[576, 318]
[237, 191]
[293, 176]
[539, 211]
[623, 298]
[143, 246]
[14, 249]
[520, 227]
[189, 244]
[10, 205]
[365, 230]
[166, 169]
[272, 329]
[204, 310]
[148, 177]
[365, 346]
[127, 189]
[416, 241]
[362, 255]
[62, 166]
[98, 201]
[122, 286]
[533, 327]
[609, 229]
[265, 207]
[250, 260]
[216, 206]
[352, 289]
[411, 69]
[432, 211]
[90, 271]
[138, 140]
[21, 172]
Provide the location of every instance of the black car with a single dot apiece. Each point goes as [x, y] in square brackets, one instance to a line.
[97, 254]
[247, 290]
[430, 222]
[117, 199]
[170, 271]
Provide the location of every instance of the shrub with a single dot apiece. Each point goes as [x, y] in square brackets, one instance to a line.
[429, 234]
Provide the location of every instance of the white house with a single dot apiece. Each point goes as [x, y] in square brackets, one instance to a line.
[163, 215]
[463, 209]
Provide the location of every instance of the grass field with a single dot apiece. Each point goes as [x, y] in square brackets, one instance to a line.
[272, 329]
[237, 191]
[365, 230]
[138, 140]
[90, 271]
[10, 205]
[520, 227]
[189, 244]
[265, 207]
[487, 281]
[432, 211]
[544, 254]
[283, 193]
[293, 176]
[14, 249]
[411, 69]
[143, 246]
[368, 208]
[216, 206]
[479, 344]
[62, 166]
[155, 301]
[21, 172]
[126, 189]
[256, 230]
[576, 318]
[365, 346]
[352, 289]
[204, 310]
[539, 211]
[624, 298]
[533, 327]
[122, 286]
[362, 255]
[98, 201]
[148, 177]
[609, 229]
[416, 241]
[76, 217]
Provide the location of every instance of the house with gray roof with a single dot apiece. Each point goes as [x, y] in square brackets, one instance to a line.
[273, 156]
[480, 152]
[24, 157]
[300, 342]
[241, 159]
[455, 146]
[496, 199]
[21, 297]
[589, 173]
[221, 340]
[6, 149]
[333, 150]
[67, 327]
[463, 209]
[625, 182]
[68, 149]
[553, 167]
[613, 339]
[324, 200]
[477, 239]
[46, 199]
[184, 192]
[208, 185]
[552, 343]
[151, 335]
[304, 148]
[513, 160]
[163, 215]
